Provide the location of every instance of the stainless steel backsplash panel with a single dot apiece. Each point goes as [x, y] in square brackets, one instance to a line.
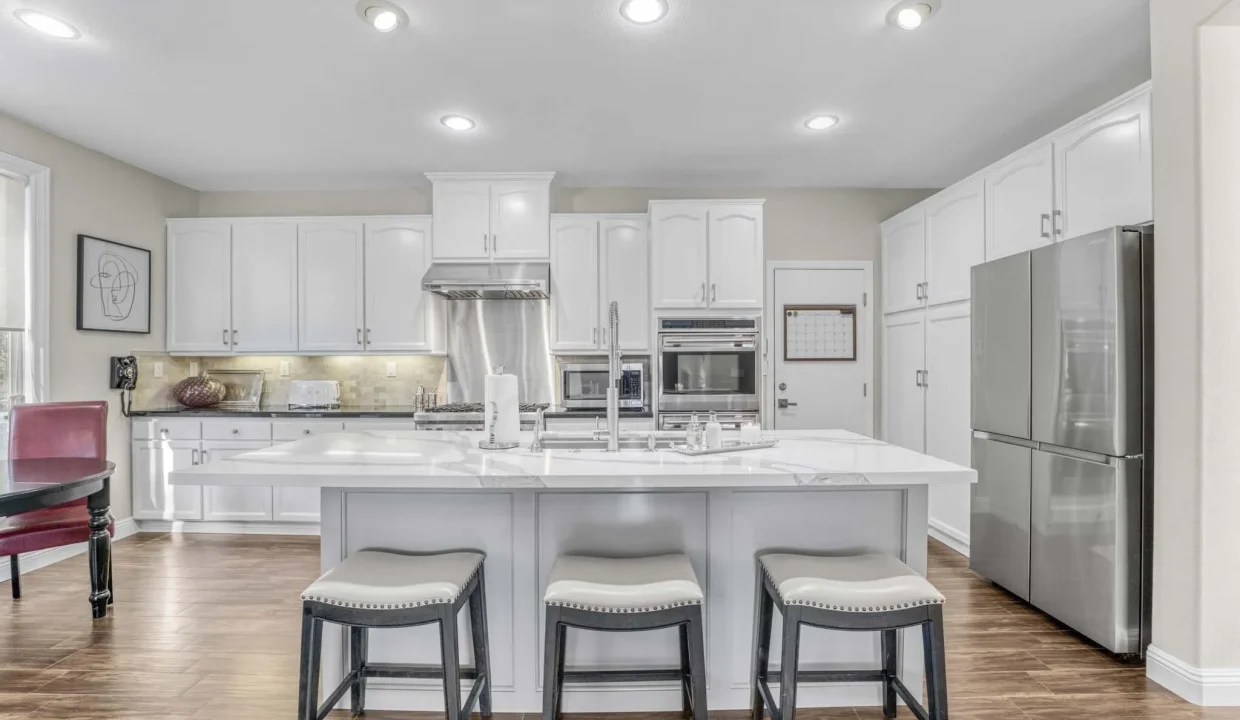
[484, 334]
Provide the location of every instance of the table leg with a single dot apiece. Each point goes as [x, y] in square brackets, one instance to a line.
[99, 548]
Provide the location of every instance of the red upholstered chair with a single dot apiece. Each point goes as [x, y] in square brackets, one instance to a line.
[52, 430]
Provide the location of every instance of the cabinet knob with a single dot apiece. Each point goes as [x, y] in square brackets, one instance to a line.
[306, 431]
[235, 431]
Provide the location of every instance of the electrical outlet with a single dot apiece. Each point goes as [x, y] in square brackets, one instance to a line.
[193, 368]
[285, 368]
[391, 369]
[159, 370]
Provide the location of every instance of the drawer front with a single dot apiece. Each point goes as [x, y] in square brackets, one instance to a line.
[177, 429]
[236, 430]
[285, 430]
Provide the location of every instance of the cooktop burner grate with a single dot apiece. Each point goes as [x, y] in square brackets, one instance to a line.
[478, 407]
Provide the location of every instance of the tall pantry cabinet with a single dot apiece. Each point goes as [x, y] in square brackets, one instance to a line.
[1092, 174]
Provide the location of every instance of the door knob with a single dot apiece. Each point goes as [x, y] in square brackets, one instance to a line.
[783, 386]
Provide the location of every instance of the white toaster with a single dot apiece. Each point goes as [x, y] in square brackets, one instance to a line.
[314, 394]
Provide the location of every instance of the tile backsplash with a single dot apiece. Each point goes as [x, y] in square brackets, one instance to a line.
[363, 378]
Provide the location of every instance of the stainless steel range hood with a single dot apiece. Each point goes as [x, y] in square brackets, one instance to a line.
[493, 281]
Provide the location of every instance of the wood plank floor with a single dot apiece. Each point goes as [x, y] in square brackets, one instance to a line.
[207, 626]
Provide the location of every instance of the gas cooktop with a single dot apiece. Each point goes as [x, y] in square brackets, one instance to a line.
[470, 416]
[478, 407]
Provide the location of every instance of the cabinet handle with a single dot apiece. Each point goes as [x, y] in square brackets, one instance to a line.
[234, 338]
[359, 336]
[919, 378]
[205, 457]
[1058, 224]
[193, 455]
[1045, 219]
[703, 292]
[712, 292]
[925, 290]
[367, 336]
[925, 378]
[494, 243]
[919, 295]
[484, 243]
[225, 337]
[595, 341]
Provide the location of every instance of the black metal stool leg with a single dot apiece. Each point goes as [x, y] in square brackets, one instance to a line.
[482, 647]
[308, 683]
[697, 662]
[451, 663]
[936, 665]
[15, 576]
[764, 612]
[890, 670]
[551, 664]
[686, 700]
[788, 663]
[358, 641]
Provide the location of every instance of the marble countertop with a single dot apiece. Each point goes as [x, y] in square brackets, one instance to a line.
[446, 460]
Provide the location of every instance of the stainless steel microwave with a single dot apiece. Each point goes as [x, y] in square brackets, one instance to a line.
[583, 386]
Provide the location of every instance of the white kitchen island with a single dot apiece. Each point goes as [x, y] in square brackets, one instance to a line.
[821, 491]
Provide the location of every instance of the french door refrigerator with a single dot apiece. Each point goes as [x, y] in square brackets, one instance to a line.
[1062, 415]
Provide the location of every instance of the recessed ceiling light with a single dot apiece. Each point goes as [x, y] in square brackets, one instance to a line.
[822, 122]
[47, 24]
[459, 123]
[381, 15]
[643, 12]
[911, 16]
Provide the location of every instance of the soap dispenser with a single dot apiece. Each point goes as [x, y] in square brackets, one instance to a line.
[714, 433]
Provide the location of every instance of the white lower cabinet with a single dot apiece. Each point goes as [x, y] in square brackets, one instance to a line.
[153, 497]
[228, 503]
[295, 504]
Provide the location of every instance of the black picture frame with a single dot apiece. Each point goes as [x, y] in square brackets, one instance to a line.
[121, 276]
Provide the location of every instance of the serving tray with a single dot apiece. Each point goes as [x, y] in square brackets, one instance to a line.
[728, 446]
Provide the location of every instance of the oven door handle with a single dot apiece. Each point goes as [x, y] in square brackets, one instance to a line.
[704, 344]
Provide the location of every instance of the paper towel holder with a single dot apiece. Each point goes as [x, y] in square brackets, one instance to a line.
[491, 444]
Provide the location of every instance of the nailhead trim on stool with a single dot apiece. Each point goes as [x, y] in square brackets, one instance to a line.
[845, 608]
[402, 606]
[651, 608]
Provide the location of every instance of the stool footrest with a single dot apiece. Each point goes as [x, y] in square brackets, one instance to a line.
[338, 693]
[412, 672]
[903, 691]
[613, 676]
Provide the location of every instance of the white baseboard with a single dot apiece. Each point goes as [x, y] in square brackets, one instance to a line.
[1201, 686]
[227, 528]
[42, 558]
[949, 536]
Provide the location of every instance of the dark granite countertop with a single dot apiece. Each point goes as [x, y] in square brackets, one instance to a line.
[283, 411]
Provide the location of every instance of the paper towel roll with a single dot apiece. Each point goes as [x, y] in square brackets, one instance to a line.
[502, 390]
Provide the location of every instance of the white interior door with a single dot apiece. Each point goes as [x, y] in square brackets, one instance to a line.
[821, 394]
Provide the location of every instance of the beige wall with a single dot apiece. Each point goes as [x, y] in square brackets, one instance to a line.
[343, 202]
[98, 195]
[1196, 580]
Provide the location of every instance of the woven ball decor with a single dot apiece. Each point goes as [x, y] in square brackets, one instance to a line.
[201, 391]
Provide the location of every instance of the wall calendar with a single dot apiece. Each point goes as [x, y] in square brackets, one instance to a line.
[820, 333]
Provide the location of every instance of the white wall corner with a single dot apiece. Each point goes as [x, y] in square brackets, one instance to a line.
[949, 536]
[1212, 687]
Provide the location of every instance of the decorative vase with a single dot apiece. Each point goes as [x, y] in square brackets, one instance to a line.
[201, 391]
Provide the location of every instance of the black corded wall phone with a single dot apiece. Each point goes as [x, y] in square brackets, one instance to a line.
[124, 377]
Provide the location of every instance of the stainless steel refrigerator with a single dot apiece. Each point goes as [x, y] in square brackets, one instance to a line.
[1062, 410]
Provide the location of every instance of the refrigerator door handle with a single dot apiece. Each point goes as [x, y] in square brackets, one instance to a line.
[1005, 439]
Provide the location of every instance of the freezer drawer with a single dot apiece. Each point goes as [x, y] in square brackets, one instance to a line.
[999, 534]
[1087, 335]
[1086, 548]
[1000, 361]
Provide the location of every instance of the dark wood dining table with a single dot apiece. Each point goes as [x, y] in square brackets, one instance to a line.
[27, 485]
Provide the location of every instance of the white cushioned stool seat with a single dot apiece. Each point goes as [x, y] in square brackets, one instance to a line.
[623, 585]
[873, 582]
[379, 580]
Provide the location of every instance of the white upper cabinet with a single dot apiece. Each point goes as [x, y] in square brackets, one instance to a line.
[399, 316]
[706, 254]
[624, 267]
[904, 261]
[264, 286]
[679, 250]
[330, 271]
[482, 216]
[1104, 171]
[575, 282]
[462, 217]
[520, 213]
[1020, 199]
[955, 241]
[736, 256]
[199, 304]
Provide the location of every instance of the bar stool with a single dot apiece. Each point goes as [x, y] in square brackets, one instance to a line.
[622, 595]
[853, 592]
[380, 589]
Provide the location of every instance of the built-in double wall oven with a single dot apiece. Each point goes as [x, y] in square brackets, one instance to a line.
[708, 364]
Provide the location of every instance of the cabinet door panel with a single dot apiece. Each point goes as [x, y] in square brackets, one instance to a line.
[955, 241]
[330, 285]
[295, 504]
[227, 503]
[736, 256]
[948, 428]
[678, 241]
[624, 268]
[1019, 199]
[462, 220]
[574, 282]
[904, 409]
[398, 312]
[520, 212]
[264, 286]
[198, 292]
[1104, 172]
[904, 261]
[154, 498]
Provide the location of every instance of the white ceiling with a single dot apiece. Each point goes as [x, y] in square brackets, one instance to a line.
[301, 94]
